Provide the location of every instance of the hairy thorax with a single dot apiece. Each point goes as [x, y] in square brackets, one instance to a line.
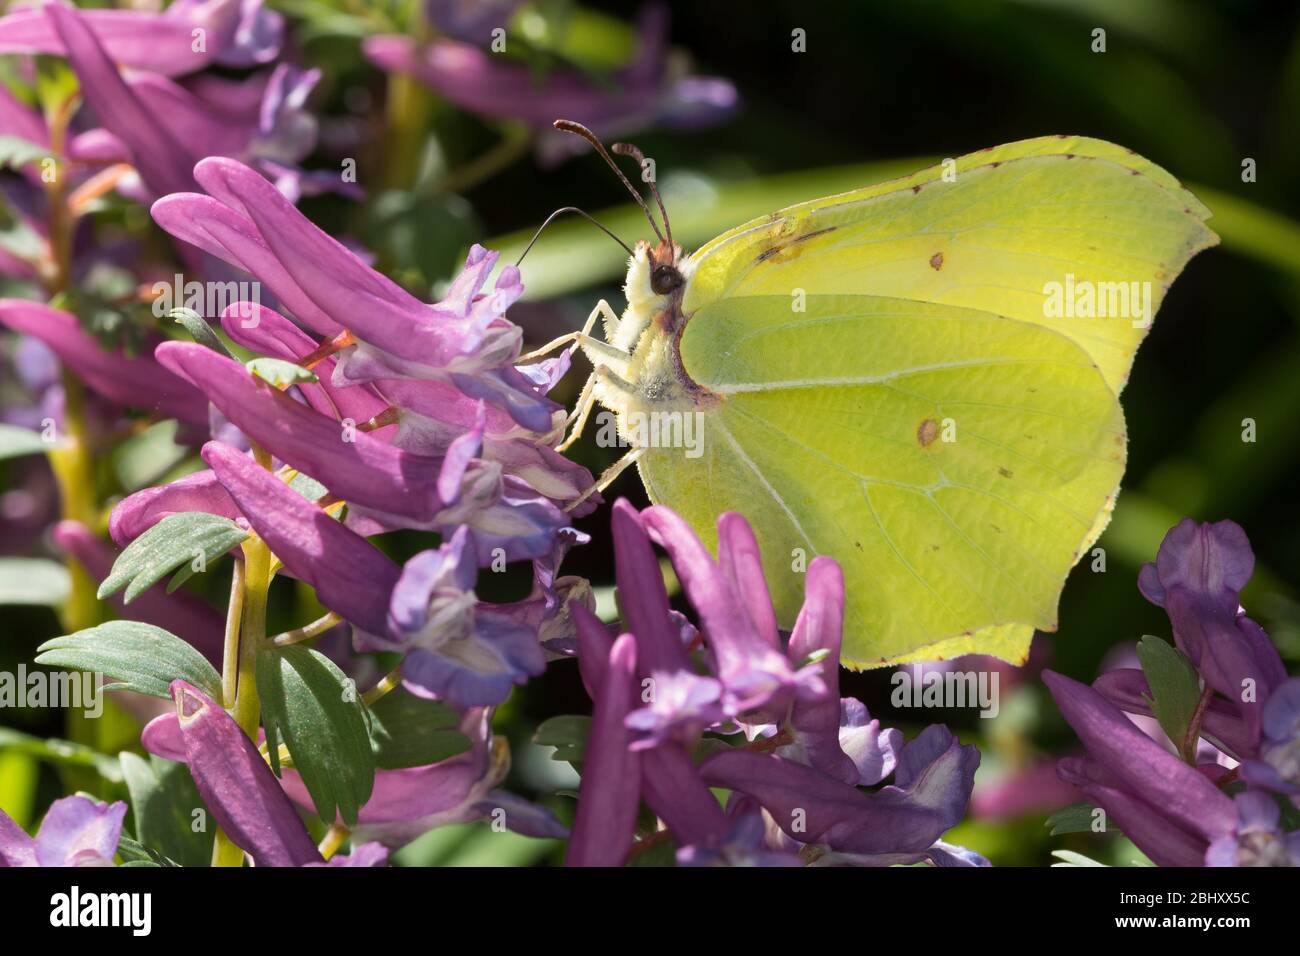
[643, 372]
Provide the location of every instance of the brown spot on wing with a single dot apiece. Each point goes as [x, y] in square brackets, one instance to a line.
[936, 261]
[790, 248]
[927, 432]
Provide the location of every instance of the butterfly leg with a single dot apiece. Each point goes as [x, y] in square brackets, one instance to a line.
[601, 311]
[607, 476]
[580, 412]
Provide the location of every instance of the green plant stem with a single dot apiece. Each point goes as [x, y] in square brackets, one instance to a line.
[73, 472]
[1193, 735]
[225, 852]
[70, 459]
[230, 650]
[305, 633]
[246, 635]
[390, 682]
[409, 108]
[252, 634]
[514, 143]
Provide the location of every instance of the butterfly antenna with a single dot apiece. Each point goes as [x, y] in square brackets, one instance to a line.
[627, 149]
[577, 129]
[556, 215]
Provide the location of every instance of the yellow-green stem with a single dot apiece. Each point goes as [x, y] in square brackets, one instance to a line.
[70, 459]
[252, 632]
[245, 632]
[71, 462]
[409, 108]
[225, 852]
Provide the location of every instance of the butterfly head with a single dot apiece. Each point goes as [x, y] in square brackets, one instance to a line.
[662, 260]
[665, 277]
[656, 275]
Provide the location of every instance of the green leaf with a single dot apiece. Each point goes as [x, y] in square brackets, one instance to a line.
[33, 581]
[1175, 687]
[61, 753]
[308, 487]
[142, 459]
[135, 853]
[1076, 818]
[163, 800]
[1253, 230]
[280, 373]
[175, 540]
[310, 705]
[16, 152]
[139, 656]
[1070, 858]
[199, 330]
[16, 441]
[409, 731]
[567, 734]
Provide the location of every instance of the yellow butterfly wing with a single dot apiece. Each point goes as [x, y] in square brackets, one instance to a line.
[1012, 220]
[927, 299]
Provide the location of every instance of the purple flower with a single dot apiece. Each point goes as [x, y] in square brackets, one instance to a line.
[1249, 730]
[77, 831]
[683, 706]
[1257, 840]
[430, 415]
[1171, 810]
[410, 801]
[605, 821]
[168, 127]
[237, 786]
[351, 576]
[1221, 723]
[1278, 766]
[648, 91]
[456, 648]
[745, 843]
[463, 341]
[369, 473]
[735, 614]
[805, 776]
[1196, 578]
[137, 513]
[235, 33]
[899, 823]
[470, 20]
[134, 381]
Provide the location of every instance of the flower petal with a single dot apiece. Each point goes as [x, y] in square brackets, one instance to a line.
[236, 784]
[1139, 764]
[363, 471]
[351, 576]
[610, 793]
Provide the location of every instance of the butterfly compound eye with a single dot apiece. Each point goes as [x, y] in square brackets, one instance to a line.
[665, 279]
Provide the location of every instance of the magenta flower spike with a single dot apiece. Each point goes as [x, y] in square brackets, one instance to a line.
[134, 381]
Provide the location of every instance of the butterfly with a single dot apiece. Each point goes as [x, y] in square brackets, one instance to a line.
[919, 378]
